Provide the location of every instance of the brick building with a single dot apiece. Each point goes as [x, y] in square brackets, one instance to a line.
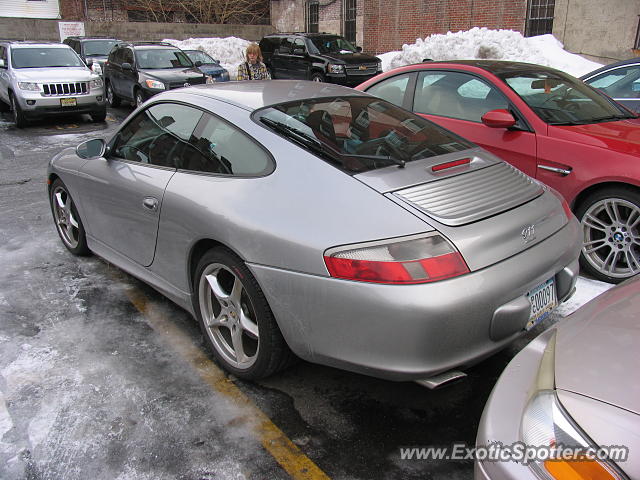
[383, 25]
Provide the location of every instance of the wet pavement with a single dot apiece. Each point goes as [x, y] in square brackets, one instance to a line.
[101, 377]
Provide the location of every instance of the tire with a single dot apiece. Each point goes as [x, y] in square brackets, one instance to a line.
[611, 234]
[112, 99]
[4, 107]
[138, 97]
[99, 117]
[235, 318]
[18, 116]
[68, 222]
[317, 77]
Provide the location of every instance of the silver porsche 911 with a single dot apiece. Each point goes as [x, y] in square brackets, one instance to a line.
[305, 218]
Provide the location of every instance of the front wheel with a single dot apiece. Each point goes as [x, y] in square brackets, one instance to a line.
[317, 77]
[610, 221]
[235, 317]
[68, 222]
[99, 117]
[139, 98]
[112, 98]
[18, 115]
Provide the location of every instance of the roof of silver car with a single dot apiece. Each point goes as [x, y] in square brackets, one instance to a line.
[256, 94]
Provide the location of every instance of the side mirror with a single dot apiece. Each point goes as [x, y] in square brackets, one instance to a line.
[127, 66]
[89, 62]
[499, 118]
[93, 148]
[359, 49]
[298, 51]
[198, 63]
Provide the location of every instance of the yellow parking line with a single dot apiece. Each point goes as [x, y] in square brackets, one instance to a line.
[286, 453]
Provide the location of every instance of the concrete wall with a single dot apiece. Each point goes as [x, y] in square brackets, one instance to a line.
[32, 29]
[603, 31]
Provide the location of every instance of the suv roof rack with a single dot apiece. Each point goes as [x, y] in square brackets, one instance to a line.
[162, 44]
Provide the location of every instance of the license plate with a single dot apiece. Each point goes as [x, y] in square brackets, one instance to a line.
[68, 102]
[543, 302]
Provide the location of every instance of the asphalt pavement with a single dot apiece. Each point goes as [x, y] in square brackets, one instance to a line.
[103, 378]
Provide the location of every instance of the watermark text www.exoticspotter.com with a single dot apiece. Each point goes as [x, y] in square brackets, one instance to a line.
[516, 452]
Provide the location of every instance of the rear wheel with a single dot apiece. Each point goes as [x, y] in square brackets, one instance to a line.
[610, 220]
[235, 317]
[68, 223]
[18, 116]
[112, 98]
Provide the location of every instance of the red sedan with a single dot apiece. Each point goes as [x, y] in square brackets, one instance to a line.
[551, 126]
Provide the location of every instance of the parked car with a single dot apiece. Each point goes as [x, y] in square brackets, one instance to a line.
[136, 71]
[570, 388]
[551, 126]
[42, 79]
[93, 50]
[621, 81]
[320, 57]
[243, 203]
[207, 65]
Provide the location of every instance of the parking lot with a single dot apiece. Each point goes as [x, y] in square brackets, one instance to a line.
[102, 377]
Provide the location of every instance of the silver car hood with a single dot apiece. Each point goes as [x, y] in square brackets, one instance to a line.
[515, 212]
[598, 349]
[55, 74]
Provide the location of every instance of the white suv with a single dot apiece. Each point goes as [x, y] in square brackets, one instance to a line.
[38, 79]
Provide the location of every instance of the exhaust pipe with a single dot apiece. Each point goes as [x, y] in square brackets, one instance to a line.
[442, 379]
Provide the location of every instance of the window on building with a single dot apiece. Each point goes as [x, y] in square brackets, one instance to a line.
[313, 16]
[350, 20]
[540, 17]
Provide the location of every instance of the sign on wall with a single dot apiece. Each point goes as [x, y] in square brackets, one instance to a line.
[70, 29]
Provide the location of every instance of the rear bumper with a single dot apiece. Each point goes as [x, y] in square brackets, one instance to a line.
[412, 332]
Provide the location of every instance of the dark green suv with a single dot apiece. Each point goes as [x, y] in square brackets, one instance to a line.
[321, 57]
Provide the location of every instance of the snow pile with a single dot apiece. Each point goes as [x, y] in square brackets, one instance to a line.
[229, 51]
[482, 43]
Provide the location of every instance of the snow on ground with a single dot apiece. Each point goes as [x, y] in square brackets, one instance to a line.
[477, 43]
[228, 51]
[586, 289]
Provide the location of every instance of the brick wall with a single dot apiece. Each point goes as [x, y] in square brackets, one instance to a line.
[388, 24]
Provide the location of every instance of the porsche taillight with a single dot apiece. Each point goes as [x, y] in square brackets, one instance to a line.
[423, 259]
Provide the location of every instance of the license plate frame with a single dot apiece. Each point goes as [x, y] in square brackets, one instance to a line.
[69, 102]
[543, 300]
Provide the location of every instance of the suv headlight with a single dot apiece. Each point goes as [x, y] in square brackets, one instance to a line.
[32, 87]
[96, 83]
[154, 84]
[333, 68]
[96, 68]
[379, 66]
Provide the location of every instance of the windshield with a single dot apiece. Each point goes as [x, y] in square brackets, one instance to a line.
[560, 99]
[162, 58]
[359, 134]
[98, 47]
[198, 56]
[332, 44]
[45, 57]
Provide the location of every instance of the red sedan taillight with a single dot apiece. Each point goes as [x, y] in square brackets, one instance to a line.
[401, 261]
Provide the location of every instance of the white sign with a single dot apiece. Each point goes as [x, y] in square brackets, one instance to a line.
[70, 29]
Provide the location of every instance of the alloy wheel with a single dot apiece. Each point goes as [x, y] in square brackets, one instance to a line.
[229, 316]
[611, 237]
[64, 217]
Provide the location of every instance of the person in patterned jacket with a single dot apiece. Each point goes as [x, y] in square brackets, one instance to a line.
[253, 68]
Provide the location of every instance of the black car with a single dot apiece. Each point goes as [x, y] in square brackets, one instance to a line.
[93, 50]
[321, 57]
[136, 71]
[621, 81]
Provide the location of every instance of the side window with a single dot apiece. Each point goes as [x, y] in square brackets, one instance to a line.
[299, 43]
[115, 56]
[127, 56]
[158, 136]
[456, 95]
[219, 147]
[392, 89]
[619, 83]
[286, 45]
[76, 46]
[3, 55]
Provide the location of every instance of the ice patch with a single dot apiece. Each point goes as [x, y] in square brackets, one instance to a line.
[31, 366]
[41, 424]
[586, 289]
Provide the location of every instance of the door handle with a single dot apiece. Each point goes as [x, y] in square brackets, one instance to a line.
[562, 171]
[150, 203]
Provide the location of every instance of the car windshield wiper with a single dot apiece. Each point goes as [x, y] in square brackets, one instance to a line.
[303, 139]
[398, 161]
[593, 120]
